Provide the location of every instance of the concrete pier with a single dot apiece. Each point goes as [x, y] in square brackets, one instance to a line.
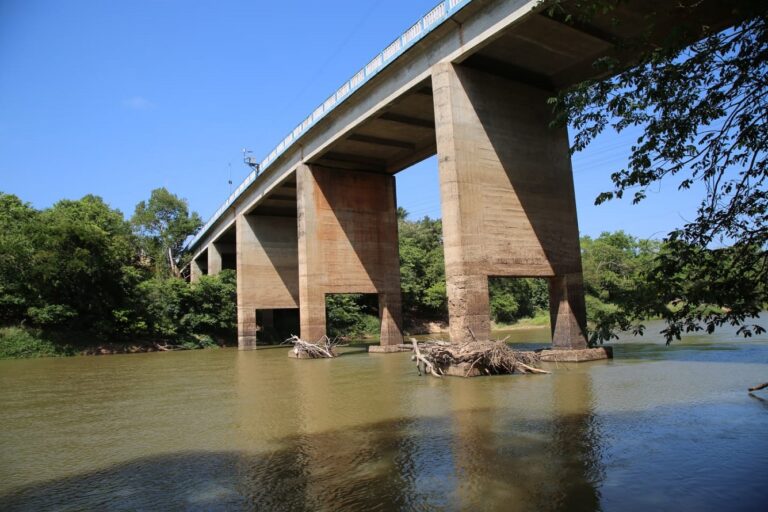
[195, 271]
[214, 259]
[507, 199]
[267, 272]
[347, 244]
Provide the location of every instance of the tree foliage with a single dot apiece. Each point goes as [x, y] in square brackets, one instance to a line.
[702, 110]
[616, 270]
[18, 223]
[77, 268]
[162, 224]
[422, 267]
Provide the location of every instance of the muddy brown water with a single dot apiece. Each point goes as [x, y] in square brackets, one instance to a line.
[657, 428]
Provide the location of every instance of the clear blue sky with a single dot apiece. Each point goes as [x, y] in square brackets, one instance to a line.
[119, 97]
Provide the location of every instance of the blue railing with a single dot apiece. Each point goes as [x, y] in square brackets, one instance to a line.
[433, 19]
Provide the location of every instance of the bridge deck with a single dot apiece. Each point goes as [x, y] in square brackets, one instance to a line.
[382, 120]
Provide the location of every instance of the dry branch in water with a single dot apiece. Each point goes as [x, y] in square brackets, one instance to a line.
[759, 387]
[323, 348]
[486, 357]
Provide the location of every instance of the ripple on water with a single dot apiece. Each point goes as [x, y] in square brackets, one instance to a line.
[222, 430]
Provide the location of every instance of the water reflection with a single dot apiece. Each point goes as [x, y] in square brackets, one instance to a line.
[384, 467]
[259, 431]
[477, 458]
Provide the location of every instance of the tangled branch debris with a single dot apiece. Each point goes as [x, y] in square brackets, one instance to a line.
[473, 358]
[325, 347]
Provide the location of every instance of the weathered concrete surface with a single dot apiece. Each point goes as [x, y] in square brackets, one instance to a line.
[195, 271]
[577, 356]
[347, 244]
[507, 198]
[477, 24]
[267, 271]
[214, 259]
[567, 312]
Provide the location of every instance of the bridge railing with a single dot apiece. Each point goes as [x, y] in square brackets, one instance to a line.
[433, 19]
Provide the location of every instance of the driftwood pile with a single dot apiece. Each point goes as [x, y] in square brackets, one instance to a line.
[325, 347]
[473, 358]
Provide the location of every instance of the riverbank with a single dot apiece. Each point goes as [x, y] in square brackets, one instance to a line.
[24, 342]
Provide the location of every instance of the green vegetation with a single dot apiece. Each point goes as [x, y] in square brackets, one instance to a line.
[162, 224]
[79, 271]
[701, 110]
[352, 316]
[18, 342]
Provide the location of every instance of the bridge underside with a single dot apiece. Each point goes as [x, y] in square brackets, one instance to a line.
[506, 185]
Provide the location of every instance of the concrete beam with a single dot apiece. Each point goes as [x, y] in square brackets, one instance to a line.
[507, 198]
[267, 271]
[478, 25]
[347, 244]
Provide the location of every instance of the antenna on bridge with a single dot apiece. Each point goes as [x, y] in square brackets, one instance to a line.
[250, 161]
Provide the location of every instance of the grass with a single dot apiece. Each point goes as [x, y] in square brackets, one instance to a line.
[22, 342]
[540, 320]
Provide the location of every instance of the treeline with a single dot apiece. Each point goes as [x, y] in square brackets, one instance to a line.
[79, 274]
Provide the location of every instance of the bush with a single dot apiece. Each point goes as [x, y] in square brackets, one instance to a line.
[350, 315]
[199, 341]
[17, 342]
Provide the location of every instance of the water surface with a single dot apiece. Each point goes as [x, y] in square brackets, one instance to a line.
[657, 428]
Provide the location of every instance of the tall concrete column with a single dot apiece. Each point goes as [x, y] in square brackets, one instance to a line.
[567, 311]
[267, 271]
[347, 244]
[214, 259]
[507, 198]
[194, 271]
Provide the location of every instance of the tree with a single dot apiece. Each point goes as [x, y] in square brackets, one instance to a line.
[513, 298]
[163, 223]
[422, 267]
[703, 111]
[616, 268]
[18, 223]
[80, 251]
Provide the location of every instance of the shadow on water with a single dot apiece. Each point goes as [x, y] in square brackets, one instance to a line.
[364, 433]
[455, 463]
[695, 351]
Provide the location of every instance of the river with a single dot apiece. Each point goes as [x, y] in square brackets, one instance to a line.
[657, 428]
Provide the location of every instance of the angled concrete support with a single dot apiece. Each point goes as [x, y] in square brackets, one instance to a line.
[507, 199]
[214, 259]
[347, 244]
[267, 271]
[195, 271]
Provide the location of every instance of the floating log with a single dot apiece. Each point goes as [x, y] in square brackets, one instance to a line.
[759, 387]
[474, 358]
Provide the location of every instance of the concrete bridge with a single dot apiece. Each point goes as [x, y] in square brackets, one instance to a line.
[468, 82]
